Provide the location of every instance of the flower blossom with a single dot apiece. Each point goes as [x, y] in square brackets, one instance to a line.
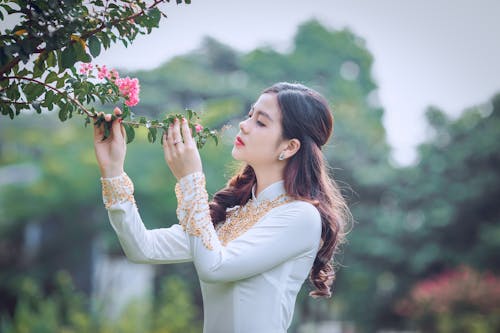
[198, 128]
[103, 72]
[129, 88]
[85, 68]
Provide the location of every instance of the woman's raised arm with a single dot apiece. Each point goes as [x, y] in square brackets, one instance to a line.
[164, 245]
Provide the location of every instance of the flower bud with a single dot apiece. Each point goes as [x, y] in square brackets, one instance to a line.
[108, 117]
[117, 111]
[198, 128]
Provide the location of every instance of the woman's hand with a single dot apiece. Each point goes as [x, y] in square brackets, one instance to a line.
[181, 153]
[111, 152]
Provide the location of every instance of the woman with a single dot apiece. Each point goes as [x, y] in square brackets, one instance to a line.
[280, 219]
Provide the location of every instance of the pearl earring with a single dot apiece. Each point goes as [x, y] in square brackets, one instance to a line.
[282, 156]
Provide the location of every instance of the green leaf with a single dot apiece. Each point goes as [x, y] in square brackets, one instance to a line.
[81, 55]
[63, 112]
[28, 90]
[107, 130]
[152, 134]
[51, 59]
[130, 132]
[189, 114]
[154, 16]
[162, 132]
[49, 99]
[94, 46]
[51, 77]
[36, 106]
[68, 57]
[60, 83]
[38, 70]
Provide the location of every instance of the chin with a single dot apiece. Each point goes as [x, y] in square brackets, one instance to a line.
[235, 154]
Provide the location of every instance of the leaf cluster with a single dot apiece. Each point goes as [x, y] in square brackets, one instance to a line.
[38, 54]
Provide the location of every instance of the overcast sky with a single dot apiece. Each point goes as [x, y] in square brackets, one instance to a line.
[440, 52]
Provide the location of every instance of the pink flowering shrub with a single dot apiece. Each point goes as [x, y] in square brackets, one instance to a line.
[85, 68]
[112, 88]
[128, 88]
[455, 301]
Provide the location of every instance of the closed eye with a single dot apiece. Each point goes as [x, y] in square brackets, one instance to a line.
[258, 122]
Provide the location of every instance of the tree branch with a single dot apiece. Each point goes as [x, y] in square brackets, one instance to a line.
[75, 101]
[86, 35]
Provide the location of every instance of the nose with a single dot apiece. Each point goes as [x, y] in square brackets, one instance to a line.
[244, 126]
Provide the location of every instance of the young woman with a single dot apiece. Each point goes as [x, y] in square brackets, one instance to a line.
[278, 221]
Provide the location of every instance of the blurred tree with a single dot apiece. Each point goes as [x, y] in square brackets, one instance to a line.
[411, 222]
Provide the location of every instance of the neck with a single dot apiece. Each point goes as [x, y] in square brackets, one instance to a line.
[266, 176]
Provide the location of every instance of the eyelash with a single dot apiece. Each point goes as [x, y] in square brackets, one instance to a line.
[259, 123]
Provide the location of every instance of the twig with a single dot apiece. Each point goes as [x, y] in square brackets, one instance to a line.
[75, 101]
[16, 60]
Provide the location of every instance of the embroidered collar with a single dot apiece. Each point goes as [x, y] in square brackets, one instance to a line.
[270, 192]
[241, 218]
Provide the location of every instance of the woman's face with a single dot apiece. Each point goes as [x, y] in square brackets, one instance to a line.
[259, 141]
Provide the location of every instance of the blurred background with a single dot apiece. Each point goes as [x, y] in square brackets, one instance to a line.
[415, 92]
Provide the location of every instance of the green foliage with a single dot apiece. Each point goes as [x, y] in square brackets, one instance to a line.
[63, 310]
[175, 311]
[38, 55]
[412, 222]
[66, 310]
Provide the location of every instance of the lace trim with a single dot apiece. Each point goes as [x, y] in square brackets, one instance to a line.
[117, 190]
[192, 209]
[241, 218]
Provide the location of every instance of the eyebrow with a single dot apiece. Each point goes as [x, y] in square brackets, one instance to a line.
[260, 112]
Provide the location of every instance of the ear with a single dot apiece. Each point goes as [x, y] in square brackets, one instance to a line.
[292, 148]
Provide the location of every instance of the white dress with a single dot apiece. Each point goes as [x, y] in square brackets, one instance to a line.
[250, 284]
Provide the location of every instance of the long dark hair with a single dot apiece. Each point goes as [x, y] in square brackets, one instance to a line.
[306, 116]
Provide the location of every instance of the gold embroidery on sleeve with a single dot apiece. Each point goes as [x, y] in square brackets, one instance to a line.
[241, 218]
[193, 210]
[117, 190]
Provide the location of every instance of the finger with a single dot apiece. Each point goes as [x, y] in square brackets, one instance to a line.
[177, 133]
[170, 135]
[174, 136]
[124, 133]
[116, 131]
[167, 149]
[98, 132]
[186, 133]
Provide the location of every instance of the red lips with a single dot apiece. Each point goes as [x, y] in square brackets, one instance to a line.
[238, 141]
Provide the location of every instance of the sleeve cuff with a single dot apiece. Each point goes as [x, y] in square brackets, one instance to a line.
[117, 189]
[185, 189]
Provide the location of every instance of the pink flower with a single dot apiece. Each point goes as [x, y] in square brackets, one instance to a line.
[198, 128]
[85, 68]
[114, 75]
[117, 111]
[108, 117]
[129, 88]
[103, 73]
